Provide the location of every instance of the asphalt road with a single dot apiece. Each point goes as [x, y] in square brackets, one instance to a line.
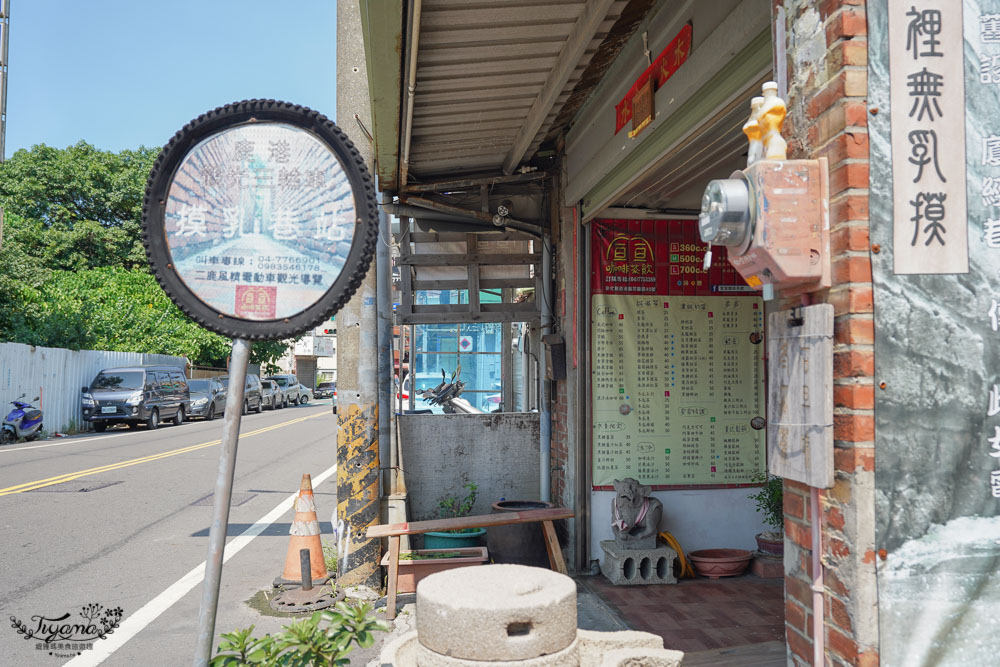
[121, 520]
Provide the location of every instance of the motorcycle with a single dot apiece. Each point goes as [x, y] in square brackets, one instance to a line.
[24, 421]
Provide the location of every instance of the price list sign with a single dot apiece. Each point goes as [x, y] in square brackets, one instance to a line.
[678, 375]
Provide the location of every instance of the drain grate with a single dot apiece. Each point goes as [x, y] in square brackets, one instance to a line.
[76, 486]
[238, 499]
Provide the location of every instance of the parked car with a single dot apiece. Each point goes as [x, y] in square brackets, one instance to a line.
[289, 385]
[271, 395]
[305, 394]
[251, 393]
[208, 398]
[327, 390]
[135, 395]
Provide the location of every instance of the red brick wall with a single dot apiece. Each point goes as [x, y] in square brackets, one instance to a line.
[828, 118]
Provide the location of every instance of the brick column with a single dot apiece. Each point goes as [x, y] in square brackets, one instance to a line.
[826, 43]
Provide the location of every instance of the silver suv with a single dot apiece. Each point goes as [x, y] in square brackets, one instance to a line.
[289, 387]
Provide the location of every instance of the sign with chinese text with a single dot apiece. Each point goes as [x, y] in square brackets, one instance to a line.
[927, 93]
[664, 67]
[677, 360]
[258, 219]
[937, 337]
[800, 395]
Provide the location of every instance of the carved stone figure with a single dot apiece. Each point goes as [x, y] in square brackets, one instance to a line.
[635, 516]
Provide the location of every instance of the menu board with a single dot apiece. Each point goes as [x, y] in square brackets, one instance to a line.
[677, 360]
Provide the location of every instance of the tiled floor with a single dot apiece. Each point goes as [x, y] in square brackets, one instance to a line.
[700, 614]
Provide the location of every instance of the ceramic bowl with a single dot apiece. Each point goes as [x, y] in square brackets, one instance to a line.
[715, 563]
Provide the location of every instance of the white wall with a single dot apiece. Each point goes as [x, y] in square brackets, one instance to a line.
[57, 376]
[699, 518]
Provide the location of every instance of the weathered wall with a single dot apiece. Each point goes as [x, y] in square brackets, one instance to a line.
[826, 46]
[57, 375]
[498, 452]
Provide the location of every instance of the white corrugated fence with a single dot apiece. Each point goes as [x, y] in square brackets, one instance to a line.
[56, 375]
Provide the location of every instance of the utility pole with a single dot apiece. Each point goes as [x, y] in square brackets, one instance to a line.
[358, 474]
[4, 42]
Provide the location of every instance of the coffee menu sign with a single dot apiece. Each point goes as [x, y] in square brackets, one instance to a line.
[677, 360]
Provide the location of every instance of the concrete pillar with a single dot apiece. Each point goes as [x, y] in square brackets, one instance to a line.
[357, 350]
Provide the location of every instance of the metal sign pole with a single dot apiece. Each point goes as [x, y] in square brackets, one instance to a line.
[220, 501]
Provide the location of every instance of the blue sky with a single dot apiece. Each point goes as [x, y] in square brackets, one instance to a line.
[123, 73]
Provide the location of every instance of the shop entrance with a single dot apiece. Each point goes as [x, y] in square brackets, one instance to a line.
[677, 400]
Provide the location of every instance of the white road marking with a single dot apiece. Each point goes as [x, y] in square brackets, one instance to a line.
[67, 441]
[149, 612]
[77, 440]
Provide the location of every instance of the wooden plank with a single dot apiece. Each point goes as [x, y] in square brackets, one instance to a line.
[532, 317]
[552, 546]
[439, 237]
[484, 283]
[800, 396]
[447, 259]
[390, 603]
[476, 521]
[524, 307]
[472, 245]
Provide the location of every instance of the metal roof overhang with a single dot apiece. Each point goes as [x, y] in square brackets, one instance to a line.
[490, 79]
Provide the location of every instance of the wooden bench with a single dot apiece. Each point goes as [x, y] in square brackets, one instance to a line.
[394, 530]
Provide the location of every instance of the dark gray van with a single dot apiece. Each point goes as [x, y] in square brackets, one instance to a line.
[136, 395]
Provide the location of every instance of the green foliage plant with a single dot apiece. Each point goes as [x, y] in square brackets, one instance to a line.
[73, 271]
[770, 500]
[452, 507]
[325, 638]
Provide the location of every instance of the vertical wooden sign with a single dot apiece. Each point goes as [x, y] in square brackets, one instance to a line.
[927, 97]
[800, 395]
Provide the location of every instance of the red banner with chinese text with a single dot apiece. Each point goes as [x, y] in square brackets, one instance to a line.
[668, 62]
[658, 257]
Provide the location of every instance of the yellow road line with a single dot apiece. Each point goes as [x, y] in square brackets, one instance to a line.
[59, 479]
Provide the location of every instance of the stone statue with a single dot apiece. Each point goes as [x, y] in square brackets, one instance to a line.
[635, 516]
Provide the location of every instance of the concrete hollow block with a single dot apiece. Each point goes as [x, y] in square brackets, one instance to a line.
[568, 657]
[594, 645]
[496, 612]
[632, 567]
[642, 657]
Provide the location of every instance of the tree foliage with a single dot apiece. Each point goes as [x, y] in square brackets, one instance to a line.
[73, 271]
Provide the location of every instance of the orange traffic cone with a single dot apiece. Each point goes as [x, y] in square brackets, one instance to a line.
[304, 535]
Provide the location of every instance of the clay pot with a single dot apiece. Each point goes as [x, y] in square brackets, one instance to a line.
[715, 563]
[769, 546]
[412, 571]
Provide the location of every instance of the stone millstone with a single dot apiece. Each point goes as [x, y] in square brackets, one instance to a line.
[642, 657]
[496, 612]
[568, 657]
[594, 645]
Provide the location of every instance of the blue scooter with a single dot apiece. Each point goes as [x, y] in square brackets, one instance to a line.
[24, 421]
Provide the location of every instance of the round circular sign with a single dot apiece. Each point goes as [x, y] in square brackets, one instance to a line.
[260, 219]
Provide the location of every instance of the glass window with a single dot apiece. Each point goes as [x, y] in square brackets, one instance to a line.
[125, 381]
[199, 385]
[163, 379]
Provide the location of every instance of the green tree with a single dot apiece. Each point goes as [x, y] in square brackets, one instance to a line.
[78, 207]
[73, 270]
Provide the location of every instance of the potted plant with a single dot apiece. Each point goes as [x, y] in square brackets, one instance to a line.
[770, 503]
[421, 563]
[451, 507]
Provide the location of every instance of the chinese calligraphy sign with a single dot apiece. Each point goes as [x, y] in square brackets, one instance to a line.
[927, 96]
